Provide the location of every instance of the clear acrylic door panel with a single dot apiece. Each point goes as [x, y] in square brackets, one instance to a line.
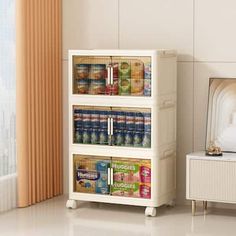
[91, 125]
[90, 75]
[131, 127]
[131, 178]
[131, 76]
[91, 174]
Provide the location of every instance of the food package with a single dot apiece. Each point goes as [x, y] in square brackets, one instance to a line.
[137, 86]
[124, 86]
[124, 70]
[137, 70]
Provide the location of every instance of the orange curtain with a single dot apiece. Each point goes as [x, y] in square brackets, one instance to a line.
[39, 100]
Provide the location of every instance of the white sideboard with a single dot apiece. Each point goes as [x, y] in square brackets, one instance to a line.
[210, 179]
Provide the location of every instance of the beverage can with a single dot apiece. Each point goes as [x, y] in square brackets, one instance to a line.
[86, 136]
[138, 139]
[128, 138]
[130, 120]
[103, 136]
[119, 138]
[139, 121]
[95, 119]
[147, 140]
[120, 116]
[86, 116]
[78, 118]
[103, 116]
[95, 136]
[147, 122]
[78, 138]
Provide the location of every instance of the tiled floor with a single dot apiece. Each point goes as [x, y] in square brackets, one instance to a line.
[52, 218]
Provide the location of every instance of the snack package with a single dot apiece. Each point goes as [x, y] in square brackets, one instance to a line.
[126, 171]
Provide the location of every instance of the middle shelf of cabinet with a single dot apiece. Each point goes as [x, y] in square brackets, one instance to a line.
[111, 126]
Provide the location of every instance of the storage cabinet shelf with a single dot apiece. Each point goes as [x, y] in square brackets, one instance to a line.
[122, 127]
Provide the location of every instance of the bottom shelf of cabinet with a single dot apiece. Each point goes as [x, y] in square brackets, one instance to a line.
[112, 199]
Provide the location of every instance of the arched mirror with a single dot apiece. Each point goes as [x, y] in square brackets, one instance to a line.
[221, 121]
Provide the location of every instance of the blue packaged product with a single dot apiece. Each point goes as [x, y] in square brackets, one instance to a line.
[86, 115]
[103, 136]
[147, 139]
[78, 138]
[139, 121]
[119, 138]
[147, 121]
[138, 139]
[86, 136]
[78, 118]
[114, 116]
[103, 119]
[120, 116]
[130, 120]
[102, 183]
[95, 136]
[129, 138]
[95, 122]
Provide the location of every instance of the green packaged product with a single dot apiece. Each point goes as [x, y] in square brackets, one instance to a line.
[124, 70]
[124, 86]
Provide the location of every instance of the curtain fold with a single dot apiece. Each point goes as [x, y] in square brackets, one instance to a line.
[39, 100]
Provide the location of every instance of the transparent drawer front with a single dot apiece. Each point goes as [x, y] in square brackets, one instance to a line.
[91, 174]
[131, 127]
[91, 125]
[131, 178]
[120, 76]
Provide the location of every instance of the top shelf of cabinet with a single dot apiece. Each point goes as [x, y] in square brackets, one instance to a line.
[116, 73]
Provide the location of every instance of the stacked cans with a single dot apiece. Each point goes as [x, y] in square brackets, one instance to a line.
[129, 128]
[90, 126]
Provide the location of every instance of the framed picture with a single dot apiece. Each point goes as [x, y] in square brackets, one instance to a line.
[221, 118]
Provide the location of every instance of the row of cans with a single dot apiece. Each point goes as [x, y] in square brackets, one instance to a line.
[119, 138]
[121, 120]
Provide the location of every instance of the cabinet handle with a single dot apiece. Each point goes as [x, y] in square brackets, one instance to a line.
[111, 75]
[108, 126]
[109, 176]
[108, 75]
[111, 126]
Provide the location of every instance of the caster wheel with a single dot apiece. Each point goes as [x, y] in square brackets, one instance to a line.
[71, 204]
[150, 211]
[171, 203]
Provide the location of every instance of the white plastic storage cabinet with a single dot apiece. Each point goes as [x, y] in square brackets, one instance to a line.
[122, 127]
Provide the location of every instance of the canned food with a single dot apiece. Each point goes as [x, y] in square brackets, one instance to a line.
[119, 138]
[147, 70]
[124, 86]
[82, 71]
[137, 86]
[86, 136]
[95, 136]
[147, 87]
[147, 121]
[98, 71]
[78, 138]
[120, 116]
[129, 138]
[147, 140]
[103, 136]
[138, 139]
[130, 120]
[83, 86]
[124, 70]
[86, 115]
[95, 122]
[97, 86]
[139, 121]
